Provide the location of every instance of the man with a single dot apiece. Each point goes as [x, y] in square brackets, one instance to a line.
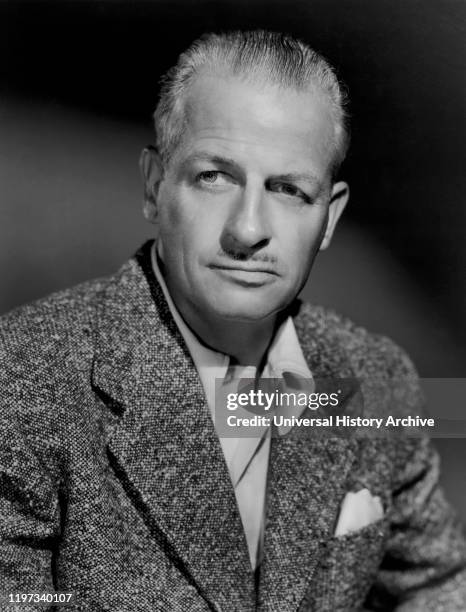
[116, 483]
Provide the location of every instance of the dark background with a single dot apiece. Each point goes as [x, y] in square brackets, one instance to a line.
[78, 83]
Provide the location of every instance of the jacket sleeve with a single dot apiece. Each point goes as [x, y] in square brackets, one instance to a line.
[29, 510]
[425, 565]
[424, 568]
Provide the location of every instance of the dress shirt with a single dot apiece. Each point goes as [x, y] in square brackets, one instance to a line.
[246, 457]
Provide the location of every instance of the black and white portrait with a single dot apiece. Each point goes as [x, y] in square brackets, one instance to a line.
[232, 306]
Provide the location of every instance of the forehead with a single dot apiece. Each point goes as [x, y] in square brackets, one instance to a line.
[247, 119]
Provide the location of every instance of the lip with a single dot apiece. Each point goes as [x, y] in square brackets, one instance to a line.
[251, 269]
[246, 276]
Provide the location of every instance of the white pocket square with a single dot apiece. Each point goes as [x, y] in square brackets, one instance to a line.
[357, 511]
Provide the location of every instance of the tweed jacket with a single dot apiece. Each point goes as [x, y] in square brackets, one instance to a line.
[113, 484]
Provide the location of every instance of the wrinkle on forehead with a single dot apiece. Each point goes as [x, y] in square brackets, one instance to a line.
[228, 110]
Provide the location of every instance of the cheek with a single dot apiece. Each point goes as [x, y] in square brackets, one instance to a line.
[300, 249]
[187, 230]
[305, 241]
[176, 222]
[175, 213]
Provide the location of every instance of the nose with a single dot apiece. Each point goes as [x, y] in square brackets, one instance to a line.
[247, 228]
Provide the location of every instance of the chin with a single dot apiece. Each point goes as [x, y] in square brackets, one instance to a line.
[246, 309]
[244, 316]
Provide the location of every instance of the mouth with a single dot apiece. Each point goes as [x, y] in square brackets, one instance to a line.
[247, 268]
[246, 275]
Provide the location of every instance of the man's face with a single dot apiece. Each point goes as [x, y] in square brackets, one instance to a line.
[244, 203]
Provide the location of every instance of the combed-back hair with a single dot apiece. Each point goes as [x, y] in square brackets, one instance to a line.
[258, 56]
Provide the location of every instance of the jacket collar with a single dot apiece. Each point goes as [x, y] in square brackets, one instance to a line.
[165, 449]
[308, 473]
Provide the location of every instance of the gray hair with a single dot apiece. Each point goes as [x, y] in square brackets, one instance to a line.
[258, 54]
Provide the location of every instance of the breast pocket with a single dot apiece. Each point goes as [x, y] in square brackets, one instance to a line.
[346, 570]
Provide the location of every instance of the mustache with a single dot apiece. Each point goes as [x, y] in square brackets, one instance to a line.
[245, 256]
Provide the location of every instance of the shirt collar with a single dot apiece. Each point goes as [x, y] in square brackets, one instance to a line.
[284, 355]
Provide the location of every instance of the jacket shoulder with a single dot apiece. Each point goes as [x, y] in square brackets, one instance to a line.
[339, 338]
[48, 345]
[45, 323]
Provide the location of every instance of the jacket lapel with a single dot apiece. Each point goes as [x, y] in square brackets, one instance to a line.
[307, 482]
[164, 446]
[308, 471]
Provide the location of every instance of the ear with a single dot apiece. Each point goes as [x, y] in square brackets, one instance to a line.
[338, 199]
[151, 168]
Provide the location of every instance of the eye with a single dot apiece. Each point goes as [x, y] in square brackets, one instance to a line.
[212, 177]
[288, 189]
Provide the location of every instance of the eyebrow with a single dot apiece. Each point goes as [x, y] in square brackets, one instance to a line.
[227, 161]
[296, 177]
[216, 159]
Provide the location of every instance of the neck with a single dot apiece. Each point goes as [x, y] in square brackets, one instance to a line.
[245, 342]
